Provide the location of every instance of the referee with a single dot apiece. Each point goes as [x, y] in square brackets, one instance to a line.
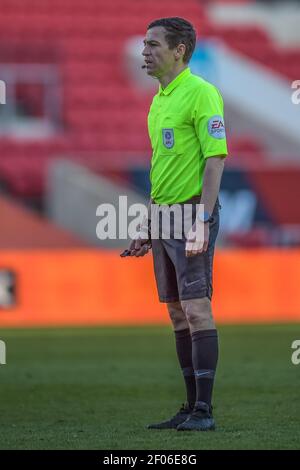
[186, 128]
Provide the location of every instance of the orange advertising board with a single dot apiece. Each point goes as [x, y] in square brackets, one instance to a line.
[97, 287]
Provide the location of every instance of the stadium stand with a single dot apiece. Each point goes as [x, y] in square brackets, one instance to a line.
[21, 229]
[101, 112]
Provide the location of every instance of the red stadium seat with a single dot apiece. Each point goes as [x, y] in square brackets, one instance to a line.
[101, 111]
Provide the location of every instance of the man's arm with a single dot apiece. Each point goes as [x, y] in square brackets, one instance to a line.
[211, 182]
[210, 190]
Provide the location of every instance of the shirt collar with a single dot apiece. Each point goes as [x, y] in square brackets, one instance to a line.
[174, 83]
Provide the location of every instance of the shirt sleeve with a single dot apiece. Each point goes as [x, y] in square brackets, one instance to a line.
[209, 124]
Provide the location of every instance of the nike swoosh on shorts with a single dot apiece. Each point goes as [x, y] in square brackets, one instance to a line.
[188, 284]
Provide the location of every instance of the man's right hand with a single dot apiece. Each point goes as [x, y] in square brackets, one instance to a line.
[139, 247]
[141, 244]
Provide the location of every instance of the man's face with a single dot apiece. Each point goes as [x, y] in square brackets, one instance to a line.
[158, 57]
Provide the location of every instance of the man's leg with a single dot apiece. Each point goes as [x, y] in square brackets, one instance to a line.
[204, 345]
[184, 349]
[166, 282]
[184, 352]
[205, 357]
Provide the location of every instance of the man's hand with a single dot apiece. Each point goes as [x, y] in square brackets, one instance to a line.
[139, 247]
[196, 245]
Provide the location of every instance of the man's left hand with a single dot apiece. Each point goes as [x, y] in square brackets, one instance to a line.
[196, 245]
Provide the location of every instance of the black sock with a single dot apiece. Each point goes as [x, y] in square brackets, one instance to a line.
[184, 353]
[205, 358]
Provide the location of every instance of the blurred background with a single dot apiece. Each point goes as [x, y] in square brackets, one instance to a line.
[73, 135]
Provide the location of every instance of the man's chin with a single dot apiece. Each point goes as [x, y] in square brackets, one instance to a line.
[151, 73]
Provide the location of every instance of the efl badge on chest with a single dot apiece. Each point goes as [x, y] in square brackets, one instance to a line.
[168, 138]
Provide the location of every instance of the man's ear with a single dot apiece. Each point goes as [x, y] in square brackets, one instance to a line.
[180, 51]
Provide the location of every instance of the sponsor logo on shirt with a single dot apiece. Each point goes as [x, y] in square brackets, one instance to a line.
[216, 127]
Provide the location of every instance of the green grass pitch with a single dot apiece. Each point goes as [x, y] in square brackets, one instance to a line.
[97, 388]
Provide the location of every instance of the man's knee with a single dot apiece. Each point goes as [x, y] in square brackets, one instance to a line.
[177, 316]
[199, 314]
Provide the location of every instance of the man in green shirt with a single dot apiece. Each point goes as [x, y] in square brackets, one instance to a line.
[186, 128]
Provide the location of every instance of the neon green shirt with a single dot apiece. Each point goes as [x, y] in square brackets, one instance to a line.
[186, 126]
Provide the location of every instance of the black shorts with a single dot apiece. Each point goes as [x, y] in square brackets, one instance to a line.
[179, 277]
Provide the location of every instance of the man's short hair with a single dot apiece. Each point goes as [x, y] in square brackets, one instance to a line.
[179, 31]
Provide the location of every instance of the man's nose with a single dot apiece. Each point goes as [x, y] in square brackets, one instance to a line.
[145, 51]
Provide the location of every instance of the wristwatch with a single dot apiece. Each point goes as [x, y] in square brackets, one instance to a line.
[205, 217]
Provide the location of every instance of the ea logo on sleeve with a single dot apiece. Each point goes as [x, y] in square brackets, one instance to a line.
[216, 127]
